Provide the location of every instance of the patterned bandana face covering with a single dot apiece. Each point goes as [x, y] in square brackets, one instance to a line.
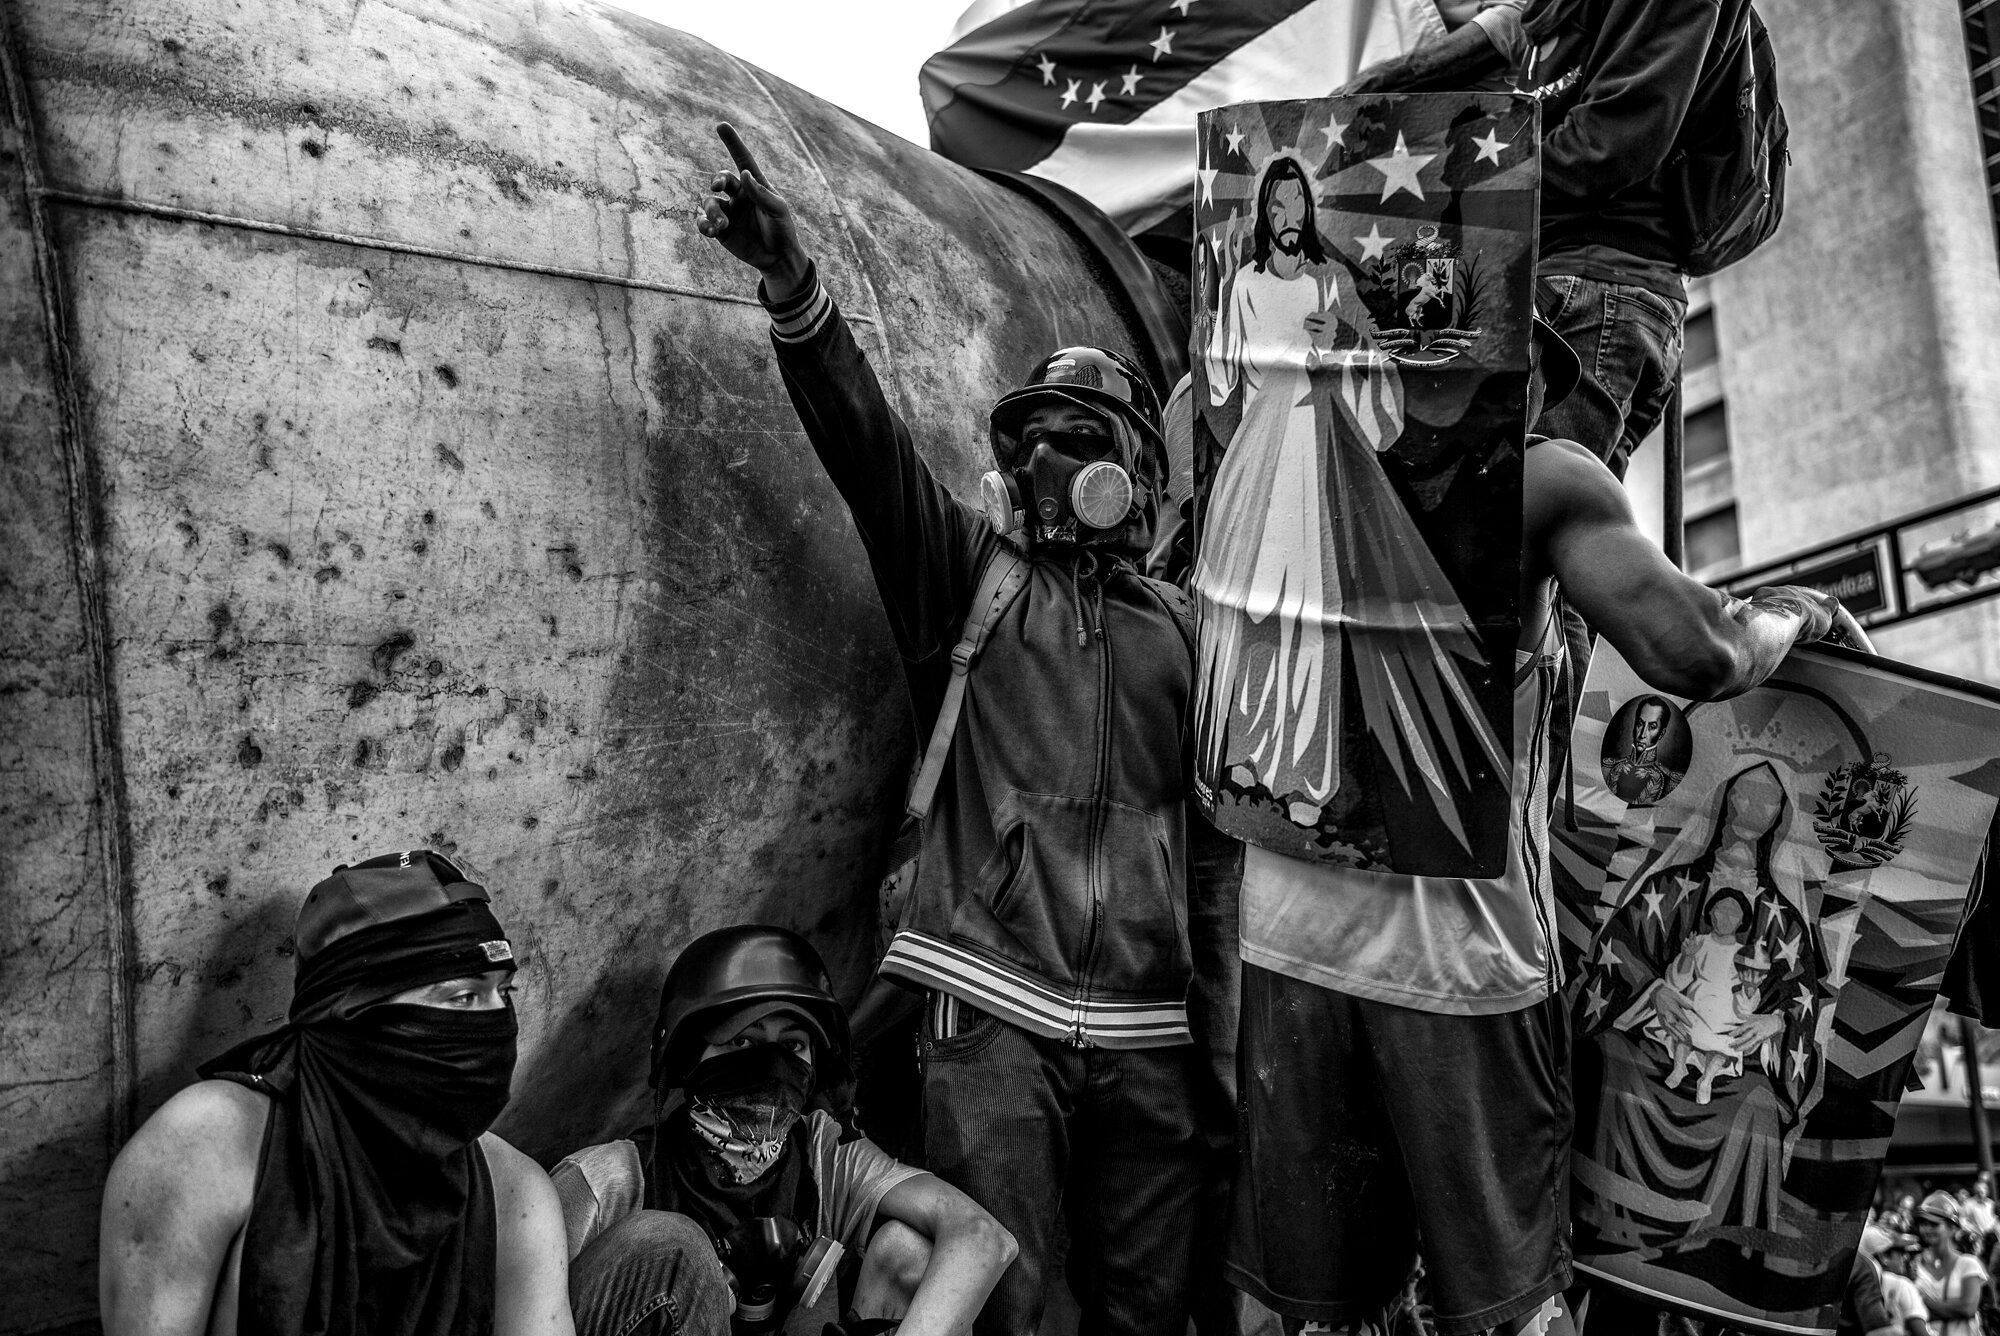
[742, 1104]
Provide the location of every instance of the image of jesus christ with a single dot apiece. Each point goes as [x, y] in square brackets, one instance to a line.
[1306, 552]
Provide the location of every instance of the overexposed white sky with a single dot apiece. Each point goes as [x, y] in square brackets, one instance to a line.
[862, 55]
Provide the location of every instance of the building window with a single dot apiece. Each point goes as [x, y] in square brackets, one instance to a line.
[1712, 539]
[1705, 434]
[1699, 348]
[1982, 50]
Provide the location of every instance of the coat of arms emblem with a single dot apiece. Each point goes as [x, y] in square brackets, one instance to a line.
[1863, 813]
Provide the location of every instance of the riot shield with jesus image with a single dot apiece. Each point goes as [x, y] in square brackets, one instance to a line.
[1364, 297]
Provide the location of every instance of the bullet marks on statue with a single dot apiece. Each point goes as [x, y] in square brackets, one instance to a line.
[360, 694]
[421, 546]
[312, 148]
[172, 45]
[382, 345]
[449, 458]
[446, 376]
[248, 754]
[453, 756]
[550, 618]
[326, 573]
[510, 186]
[565, 556]
[530, 822]
[189, 534]
[486, 509]
[390, 650]
[280, 551]
[220, 622]
[435, 668]
[218, 884]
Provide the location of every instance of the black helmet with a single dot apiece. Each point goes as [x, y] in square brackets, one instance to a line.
[730, 972]
[1093, 378]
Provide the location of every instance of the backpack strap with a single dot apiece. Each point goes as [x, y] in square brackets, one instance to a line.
[1005, 575]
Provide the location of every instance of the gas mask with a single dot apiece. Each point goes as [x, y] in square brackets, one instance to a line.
[1071, 489]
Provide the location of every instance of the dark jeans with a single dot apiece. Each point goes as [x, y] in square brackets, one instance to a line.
[1629, 340]
[1033, 1129]
[654, 1273]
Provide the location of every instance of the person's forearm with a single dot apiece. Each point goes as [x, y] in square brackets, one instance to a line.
[967, 1261]
[1462, 57]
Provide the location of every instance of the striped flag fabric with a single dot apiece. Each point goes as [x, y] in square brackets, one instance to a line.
[1101, 95]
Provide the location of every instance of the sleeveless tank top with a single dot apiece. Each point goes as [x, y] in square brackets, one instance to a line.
[1442, 944]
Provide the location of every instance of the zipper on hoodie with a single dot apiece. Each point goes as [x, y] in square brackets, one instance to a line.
[1076, 1037]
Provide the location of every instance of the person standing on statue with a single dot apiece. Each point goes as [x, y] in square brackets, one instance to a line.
[1048, 921]
[1405, 1046]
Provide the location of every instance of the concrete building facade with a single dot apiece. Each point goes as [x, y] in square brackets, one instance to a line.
[1848, 373]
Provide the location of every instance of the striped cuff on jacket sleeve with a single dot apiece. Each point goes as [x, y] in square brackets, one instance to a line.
[799, 317]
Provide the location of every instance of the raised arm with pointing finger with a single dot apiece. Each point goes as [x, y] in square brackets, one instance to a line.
[1047, 927]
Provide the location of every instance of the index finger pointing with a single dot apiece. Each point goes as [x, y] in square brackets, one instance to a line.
[746, 162]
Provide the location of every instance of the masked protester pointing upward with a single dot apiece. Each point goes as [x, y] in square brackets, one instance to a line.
[335, 1175]
[1047, 921]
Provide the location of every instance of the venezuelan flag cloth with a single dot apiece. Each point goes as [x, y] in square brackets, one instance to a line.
[1101, 95]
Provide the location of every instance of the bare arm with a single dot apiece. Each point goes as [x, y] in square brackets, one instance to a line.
[174, 1203]
[1679, 635]
[531, 1276]
[1964, 1303]
[970, 1251]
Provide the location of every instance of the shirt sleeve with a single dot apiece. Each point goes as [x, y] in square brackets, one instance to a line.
[1501, 20]
[917, 535]
[598, 1187]
[1638, 80]
[861, 1175]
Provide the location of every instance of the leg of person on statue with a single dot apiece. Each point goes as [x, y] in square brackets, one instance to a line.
[654, 1273]
[1629, 341]
[1139, 1169]
[997, 1107]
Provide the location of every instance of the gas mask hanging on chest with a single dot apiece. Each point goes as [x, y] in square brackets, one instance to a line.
[1072, 487]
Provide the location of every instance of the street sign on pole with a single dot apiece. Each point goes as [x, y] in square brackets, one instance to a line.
[1939, 558]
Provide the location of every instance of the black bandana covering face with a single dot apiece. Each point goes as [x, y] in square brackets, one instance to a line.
[743, 1104]
[373, 1212]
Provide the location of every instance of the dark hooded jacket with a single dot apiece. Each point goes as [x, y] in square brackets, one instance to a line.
[1052, 889]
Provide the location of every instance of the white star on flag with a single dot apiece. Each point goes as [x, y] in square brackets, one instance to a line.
[1130, 78]
[1208, 175]
[1399, 169]
[1653, 900]
[1374, 243]
[1183, 6]
[1235, 138]
[1805, 998]
[1048, 69]
[1788, 951]
[1096, 96]
[1799, 1057]
[1163, 45]
[1607, 955]
[1333, 130]
[1489, 147]
[1594, 1003]
[1069, 93]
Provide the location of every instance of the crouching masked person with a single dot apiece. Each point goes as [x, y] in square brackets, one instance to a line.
[745, 1204]
[335, 1175]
